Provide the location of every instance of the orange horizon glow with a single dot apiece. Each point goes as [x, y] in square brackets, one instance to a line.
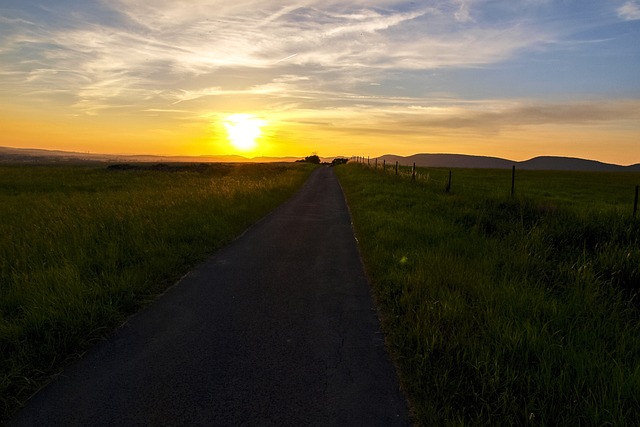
[516, 146]
[287, 138]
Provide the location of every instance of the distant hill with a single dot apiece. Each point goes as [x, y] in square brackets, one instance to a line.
[482, 162]
[450, 160]
[33, 155]
[573, 164]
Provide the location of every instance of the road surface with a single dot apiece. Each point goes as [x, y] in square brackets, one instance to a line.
[278, 328]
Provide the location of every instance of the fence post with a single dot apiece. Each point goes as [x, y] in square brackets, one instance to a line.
[368, 161]
[384, 165]
[513, 180]
[448, 189]
[635, 202]
[396, 167]
[413, 173]
[376, 164]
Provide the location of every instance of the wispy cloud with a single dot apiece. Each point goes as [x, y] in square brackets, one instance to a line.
[481, 117]
[160, 46]
[531, 113]
[463, 13]
[630, 11]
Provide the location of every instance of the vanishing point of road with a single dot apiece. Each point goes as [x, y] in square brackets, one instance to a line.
[278, 328]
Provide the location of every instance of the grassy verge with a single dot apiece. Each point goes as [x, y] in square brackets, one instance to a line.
[499, 310]
[81, 248]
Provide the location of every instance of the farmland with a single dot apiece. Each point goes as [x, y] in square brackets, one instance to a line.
[500, 309]
[497, 309]
[83, 247]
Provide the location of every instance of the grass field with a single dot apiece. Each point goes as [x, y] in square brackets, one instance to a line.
[83, 247]
[501, 310]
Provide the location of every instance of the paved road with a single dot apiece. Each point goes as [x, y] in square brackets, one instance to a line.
[278, 328]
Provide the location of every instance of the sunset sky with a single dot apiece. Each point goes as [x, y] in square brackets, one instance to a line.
[506, 78]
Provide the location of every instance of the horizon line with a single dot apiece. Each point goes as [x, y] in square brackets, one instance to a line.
[197, 156]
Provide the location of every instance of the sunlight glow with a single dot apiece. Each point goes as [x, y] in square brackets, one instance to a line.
[243, 130]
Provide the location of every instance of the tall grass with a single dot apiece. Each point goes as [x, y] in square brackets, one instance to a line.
[83, 247]
[499, 310]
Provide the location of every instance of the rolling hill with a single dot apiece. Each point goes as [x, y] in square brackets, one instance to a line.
[32, 155]
[481, 162]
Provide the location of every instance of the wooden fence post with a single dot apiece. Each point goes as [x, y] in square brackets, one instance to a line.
[448, 189]
[635, 202]
[368, 161]
[384, 164]
[513, 180]
[396, 168]
[413, 173]
[376, 164]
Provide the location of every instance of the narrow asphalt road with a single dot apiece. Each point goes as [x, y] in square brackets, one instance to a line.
[278, 328]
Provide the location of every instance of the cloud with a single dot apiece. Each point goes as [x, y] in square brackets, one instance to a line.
[169, 41]
[463, 13]
[630, 11]
[306, 54]
[482, 117]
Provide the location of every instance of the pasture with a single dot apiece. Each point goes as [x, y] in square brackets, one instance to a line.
[83, 247]
[505, 310]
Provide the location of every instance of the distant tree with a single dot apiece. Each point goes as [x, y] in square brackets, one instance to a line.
[312, 159]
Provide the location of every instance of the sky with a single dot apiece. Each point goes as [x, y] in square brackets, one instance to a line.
[506, 78]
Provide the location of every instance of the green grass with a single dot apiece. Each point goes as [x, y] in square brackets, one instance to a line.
[83, 247]
[500, 310]
[604, 191]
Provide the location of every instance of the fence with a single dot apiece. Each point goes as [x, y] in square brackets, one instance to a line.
[604, 189]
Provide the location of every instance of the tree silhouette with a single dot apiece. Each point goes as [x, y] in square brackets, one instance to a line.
[312, 159]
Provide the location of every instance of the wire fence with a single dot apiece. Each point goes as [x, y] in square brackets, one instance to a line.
[613, 190]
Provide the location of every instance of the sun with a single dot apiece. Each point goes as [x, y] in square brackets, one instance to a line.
[243, 130]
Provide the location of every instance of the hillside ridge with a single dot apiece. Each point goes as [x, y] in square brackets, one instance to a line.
[441, 160]
[436, 160]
